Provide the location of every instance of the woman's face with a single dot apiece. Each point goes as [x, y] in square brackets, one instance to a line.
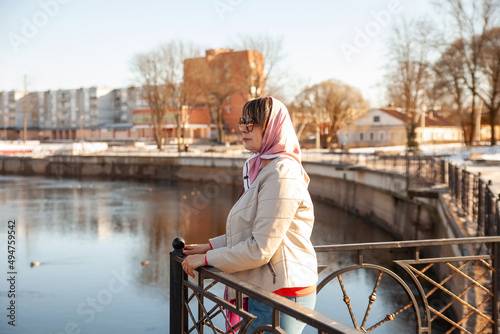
[252, 140]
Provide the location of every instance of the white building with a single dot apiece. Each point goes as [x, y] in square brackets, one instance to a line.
[34, 105]
[50, 109]
[66, 112]
[9, 103]
[72, 108]
[387, 127]
[117, 106]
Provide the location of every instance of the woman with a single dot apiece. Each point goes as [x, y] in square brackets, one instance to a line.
[268, 230]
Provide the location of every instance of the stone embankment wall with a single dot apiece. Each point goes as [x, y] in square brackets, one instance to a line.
[379, 197]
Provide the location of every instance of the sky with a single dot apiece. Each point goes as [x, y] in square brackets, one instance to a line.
[67, 44]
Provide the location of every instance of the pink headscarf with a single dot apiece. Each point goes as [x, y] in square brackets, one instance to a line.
[279, 139]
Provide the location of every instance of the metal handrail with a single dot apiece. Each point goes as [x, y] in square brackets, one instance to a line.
[180, 284]
[178, 323]
[405, 244]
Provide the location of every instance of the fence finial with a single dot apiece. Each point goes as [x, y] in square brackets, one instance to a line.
[178, 245]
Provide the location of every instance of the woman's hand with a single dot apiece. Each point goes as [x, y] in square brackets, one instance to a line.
[192, 262]
[196, 249]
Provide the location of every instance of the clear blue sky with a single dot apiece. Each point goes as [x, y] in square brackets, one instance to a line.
[79, 43]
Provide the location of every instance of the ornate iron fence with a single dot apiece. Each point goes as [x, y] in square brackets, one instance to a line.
[419, 170]
[467, 293]
[472, 194]
[477, 200]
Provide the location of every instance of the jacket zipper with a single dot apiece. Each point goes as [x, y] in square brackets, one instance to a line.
[272, 272]
[246, 177]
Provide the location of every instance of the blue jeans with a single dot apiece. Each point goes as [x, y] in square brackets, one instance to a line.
[289, 324]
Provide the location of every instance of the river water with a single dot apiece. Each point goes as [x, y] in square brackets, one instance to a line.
[90, 237]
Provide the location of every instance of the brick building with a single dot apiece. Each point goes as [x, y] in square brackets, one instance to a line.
[222, 82]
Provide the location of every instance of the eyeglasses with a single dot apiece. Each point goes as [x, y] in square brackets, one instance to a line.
[248, 122]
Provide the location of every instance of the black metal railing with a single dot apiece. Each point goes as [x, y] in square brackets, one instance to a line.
[419, 170]
[474, 196]
[195, 309]
[477, 200]
[449, 289]
[465, 286]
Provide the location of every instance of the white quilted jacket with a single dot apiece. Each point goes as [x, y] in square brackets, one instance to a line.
[268, 231]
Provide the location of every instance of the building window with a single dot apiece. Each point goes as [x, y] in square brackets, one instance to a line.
[361, 136]
[376, 119]
[381, 136]
[228, 99]
[371, 136]
[228, 109]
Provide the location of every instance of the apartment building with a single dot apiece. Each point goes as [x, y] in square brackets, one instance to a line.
[9, 103]
[32, 105]
[50, 110]
[99, 112]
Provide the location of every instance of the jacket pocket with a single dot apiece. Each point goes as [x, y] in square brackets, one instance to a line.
[273, 272]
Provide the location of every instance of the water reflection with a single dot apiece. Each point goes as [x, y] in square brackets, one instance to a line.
[90, 237]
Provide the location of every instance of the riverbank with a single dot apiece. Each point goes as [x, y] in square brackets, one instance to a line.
[381, 196]
[378, 196]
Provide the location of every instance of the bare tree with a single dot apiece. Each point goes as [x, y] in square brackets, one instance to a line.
[159, 73]
[473, 18]
[490, 66]
[271, 47]
[408, 70]
[449, 70]
[330, 103]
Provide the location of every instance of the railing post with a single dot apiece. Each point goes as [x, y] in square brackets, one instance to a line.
[497, 215]
[444, 174]
[407, 172]
[495, 285]
[480, 207]
[490, 201]
[451, 179]
[178, 318]
[475, 192]
[463, 199]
